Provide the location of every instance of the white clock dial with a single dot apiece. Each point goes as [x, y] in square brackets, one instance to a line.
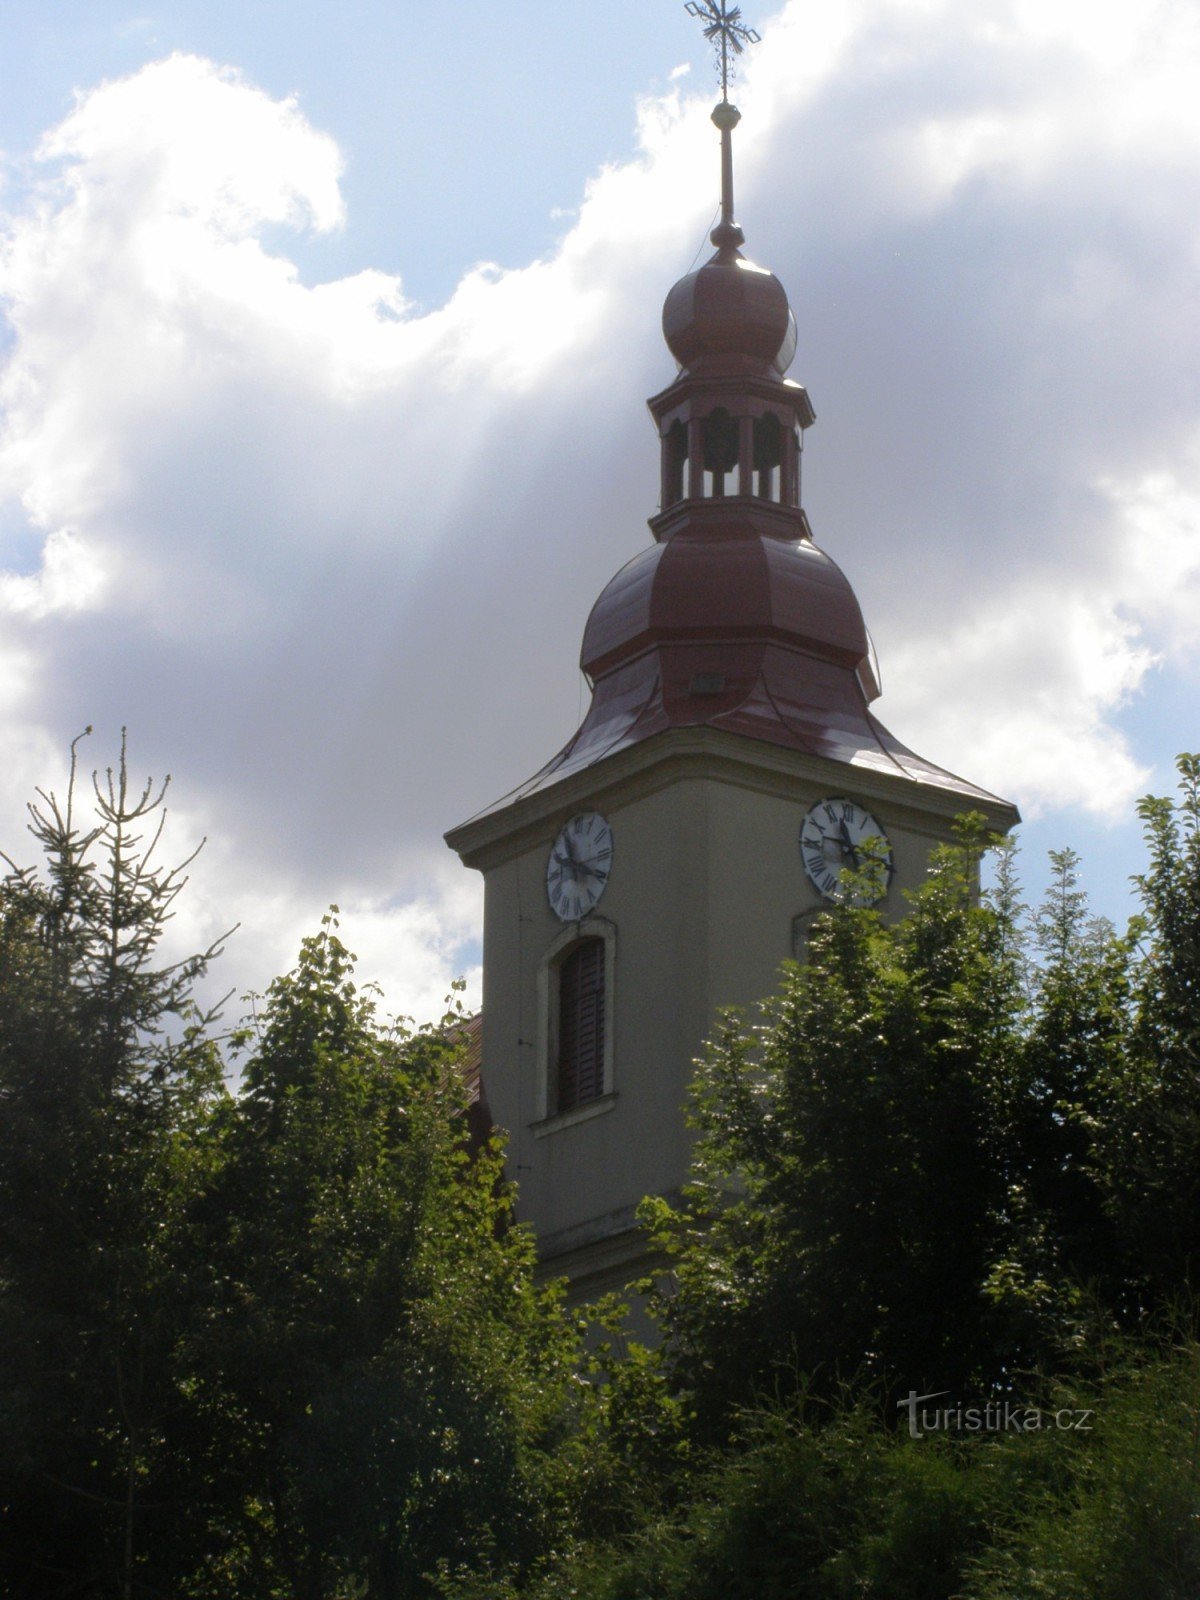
[837, 834]
[579, 865]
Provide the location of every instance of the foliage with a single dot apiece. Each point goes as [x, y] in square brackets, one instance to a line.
[106, 1079]
[377, 1375]
[1122, 1522]
[816, 1501]
[876, 1228]
[1156, 1152]
[289, 1342]
[956, 1148]
[280, 1343]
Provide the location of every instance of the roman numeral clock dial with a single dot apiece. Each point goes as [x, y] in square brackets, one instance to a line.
[837, 835]
[579, 865]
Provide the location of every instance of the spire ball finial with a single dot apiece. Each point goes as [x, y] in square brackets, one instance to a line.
[724, 27]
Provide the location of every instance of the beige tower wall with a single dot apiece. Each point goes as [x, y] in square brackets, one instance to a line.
[580, 1175]
[706, 890]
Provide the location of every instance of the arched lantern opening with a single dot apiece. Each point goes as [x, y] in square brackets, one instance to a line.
[720, 450]
[768, 455]
[675, 452]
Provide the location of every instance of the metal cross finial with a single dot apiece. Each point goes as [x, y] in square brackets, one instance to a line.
[724, 28]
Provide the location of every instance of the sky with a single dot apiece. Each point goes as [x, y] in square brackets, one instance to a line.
[325, 345]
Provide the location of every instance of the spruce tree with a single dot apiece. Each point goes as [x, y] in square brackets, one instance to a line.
[106, 1078]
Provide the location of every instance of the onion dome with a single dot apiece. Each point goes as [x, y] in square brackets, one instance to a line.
[730, 308]
[730, 311]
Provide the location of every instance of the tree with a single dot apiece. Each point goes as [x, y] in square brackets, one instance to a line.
[855, 1171]
[956, 1148]
[106, 1079]
[1156, 1151]
[290, 1343]
[284, 1342]
[377, 1379]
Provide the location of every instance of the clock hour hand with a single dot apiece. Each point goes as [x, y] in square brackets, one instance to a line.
[847, 847]
[839, 839]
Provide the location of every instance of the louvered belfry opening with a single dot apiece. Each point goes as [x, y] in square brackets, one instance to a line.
[581, 1025]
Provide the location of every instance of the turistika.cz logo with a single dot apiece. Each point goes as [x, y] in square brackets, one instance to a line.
[996, 1416]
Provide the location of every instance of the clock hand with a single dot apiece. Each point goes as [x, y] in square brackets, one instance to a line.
[847, 847]
[826, 837]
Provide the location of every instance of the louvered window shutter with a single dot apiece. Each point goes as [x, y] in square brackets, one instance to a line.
[581, 1025]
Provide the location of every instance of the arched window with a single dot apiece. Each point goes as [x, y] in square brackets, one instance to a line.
[576, 985]
[579, 1074]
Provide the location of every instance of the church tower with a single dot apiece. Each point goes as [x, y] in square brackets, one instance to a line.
[670, 857]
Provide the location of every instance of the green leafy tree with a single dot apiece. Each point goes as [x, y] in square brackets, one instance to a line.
[1156, 1149]
[857, 1184]
[957, 1147]
[281, 1343]
[379, 1381]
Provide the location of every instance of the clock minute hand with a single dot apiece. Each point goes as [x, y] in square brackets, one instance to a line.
[847, 847]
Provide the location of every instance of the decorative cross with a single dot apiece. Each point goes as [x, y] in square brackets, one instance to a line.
[724, 28]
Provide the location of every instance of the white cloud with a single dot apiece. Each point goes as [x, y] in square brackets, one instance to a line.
[71, 578]
[1026, 685]
[413, 944]
[330, 558]
[1157, 549]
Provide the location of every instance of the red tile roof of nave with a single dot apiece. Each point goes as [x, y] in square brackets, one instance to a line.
[469, 1032]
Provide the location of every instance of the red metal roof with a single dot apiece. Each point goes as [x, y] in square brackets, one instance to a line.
[734, 619]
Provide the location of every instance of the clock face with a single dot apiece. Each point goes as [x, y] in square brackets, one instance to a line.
[579, 865]
[837, 834]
